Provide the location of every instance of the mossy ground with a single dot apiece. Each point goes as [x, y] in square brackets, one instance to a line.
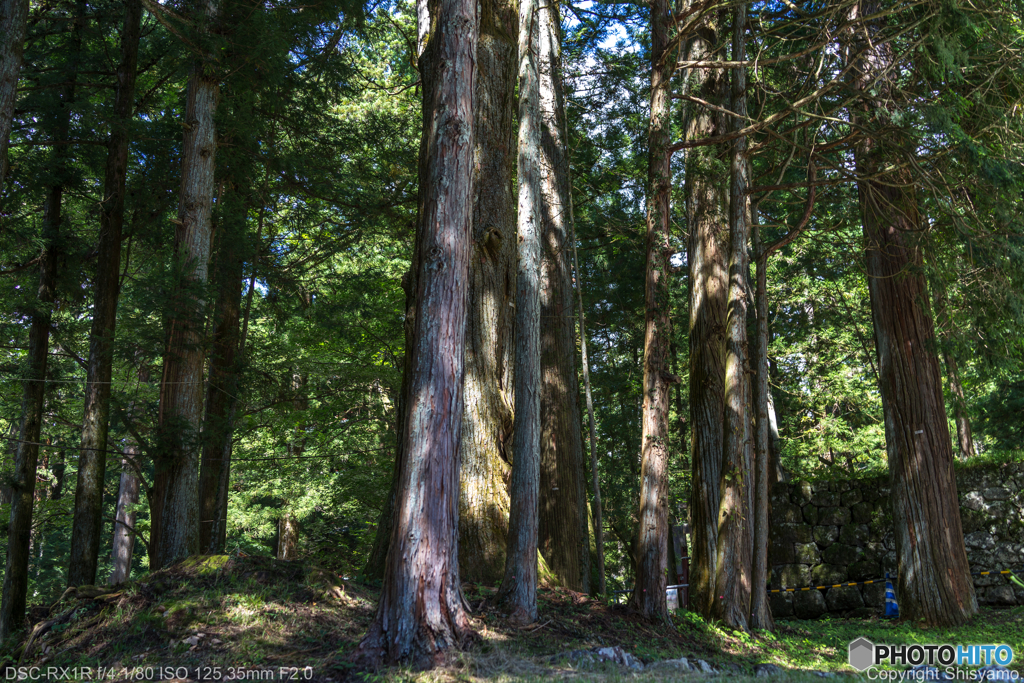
[251, 618]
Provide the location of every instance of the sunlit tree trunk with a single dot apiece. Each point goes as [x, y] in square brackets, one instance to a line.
[87, 527]
[13, 26]
[933, 578]
[518, 590]
[563, 534]
[124, 522]
[420, 615]
[706, 208]
[175, 504]
[487, 418]
[735, 533]
[651, 551]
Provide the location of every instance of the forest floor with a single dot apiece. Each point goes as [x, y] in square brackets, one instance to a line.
[226, 618]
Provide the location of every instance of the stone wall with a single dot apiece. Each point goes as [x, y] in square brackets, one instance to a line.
[829, 532]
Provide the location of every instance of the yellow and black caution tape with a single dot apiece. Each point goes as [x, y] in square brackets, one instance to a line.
[864, 583]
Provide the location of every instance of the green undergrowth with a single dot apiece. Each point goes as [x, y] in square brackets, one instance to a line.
[250, 618]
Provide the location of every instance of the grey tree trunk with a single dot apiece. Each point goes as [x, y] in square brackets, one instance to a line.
[87, 527]
[651, 551]
[421, 615]
[964, 440]
[487, 417]
[563, 534]
[175, 504]
[735, 533]
[706, 208]
[13, 26]
[518, 590]
[124, 523]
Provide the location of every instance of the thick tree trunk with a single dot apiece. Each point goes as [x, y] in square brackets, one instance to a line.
[735, 533]
[933, 578]
[421, 614]
[175, 506]
[563, 535]
[518, 590]
[13, 26]
[87, 527]
[706, 202]
[934, 583]
[487, 420]
[288, 537]
[221, 393]
[23, 480]
[760, 613]
[124, 523]
[651, 551]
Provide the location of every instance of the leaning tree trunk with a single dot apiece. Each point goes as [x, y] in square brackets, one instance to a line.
[87, 527]
[518, 590]
[221, 393]
[563, 535]
[933, 578]
[124, 522]
[175, 505]
[706, 202]
[23, 479]
[13, 27]
[651, 551]
[487, 418]
[735, 533]
[420, 615]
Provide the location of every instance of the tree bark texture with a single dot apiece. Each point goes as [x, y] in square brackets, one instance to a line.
[518, 590]
[487, 419]
[760, 613]
[651, 551]
[933, 578]
[735, 533]
[706, 208]
[563, 533]
[288, 537]
[87, 527]
[222, 389]
[23, 484]
[420, 615]
[13, 27]
[176, 486]
[124, 524]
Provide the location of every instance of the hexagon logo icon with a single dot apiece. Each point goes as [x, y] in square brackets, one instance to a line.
[862, 654]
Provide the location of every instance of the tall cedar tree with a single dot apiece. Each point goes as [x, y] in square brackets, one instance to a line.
[651, 551]
[706, 202]
[933, 578]
[731, 603]
[420, 615]
[23, 480]
[87, 527]
[518, 590]
[563, 534]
